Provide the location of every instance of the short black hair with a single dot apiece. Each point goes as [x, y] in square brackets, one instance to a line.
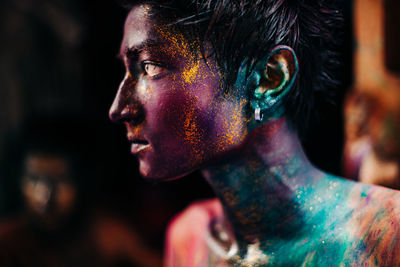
[246, 31]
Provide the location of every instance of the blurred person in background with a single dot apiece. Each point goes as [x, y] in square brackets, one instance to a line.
[59, 226]
[372, 110]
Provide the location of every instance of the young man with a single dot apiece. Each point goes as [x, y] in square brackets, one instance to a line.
[226, 87]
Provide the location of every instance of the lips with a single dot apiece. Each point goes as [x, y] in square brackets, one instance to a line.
[138, 145]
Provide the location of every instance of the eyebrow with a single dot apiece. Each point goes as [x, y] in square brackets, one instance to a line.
[135, 50]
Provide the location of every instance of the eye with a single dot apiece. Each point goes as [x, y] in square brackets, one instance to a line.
[152, 69]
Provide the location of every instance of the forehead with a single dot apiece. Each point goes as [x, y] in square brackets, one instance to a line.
[138, 26]
[142, 30]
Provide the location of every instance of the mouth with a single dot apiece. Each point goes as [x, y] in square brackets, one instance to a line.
[138, 145]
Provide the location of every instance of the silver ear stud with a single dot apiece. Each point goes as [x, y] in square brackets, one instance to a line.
[257, 115]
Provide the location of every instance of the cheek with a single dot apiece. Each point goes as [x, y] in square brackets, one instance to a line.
[189, 123]
[205, 124]
[180, 117]
[232, 125]
[177, 135]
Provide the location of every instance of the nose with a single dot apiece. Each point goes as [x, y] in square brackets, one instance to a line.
[126, 107]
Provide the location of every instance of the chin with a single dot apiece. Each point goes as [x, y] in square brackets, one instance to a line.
[160, 174]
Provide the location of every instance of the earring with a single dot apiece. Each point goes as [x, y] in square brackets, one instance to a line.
[257, 114]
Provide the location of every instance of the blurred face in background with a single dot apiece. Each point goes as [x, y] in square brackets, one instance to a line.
[48, 191]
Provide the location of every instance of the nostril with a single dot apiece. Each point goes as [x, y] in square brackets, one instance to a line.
[126, 112]
[132, 115]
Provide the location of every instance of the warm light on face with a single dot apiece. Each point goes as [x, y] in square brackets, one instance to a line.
[178, 117]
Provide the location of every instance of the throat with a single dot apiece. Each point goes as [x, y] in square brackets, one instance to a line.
[257, 188]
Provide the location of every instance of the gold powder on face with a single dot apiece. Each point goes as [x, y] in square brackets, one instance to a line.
[193, 134]
[190, 73]
[234, 128]
[191, 76]
[179, 47]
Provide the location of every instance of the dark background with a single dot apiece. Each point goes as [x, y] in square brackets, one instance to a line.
[59, 72]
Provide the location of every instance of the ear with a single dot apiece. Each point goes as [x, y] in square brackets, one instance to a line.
[276, 76]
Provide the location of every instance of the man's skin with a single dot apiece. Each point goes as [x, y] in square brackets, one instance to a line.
[274, 207]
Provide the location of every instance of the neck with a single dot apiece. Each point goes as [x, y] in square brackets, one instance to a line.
[257, 185]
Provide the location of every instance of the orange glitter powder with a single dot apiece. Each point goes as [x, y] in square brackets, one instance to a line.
[190, 73]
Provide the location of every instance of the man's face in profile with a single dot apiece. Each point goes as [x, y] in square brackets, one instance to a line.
[171, 101]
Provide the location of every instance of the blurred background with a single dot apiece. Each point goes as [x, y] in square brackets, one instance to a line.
[70, 193]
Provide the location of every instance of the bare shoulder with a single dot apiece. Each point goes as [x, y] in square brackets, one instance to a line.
[375, 204]
[375, 225]
[185, 242]
[193, 221]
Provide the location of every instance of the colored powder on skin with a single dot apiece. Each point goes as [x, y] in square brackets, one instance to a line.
[190, 126]
[177, 45]
[375, 233]
[233, 128]
[193, 133]
[230, 199]
[180, 48]
[190, 73]
[309, 261]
